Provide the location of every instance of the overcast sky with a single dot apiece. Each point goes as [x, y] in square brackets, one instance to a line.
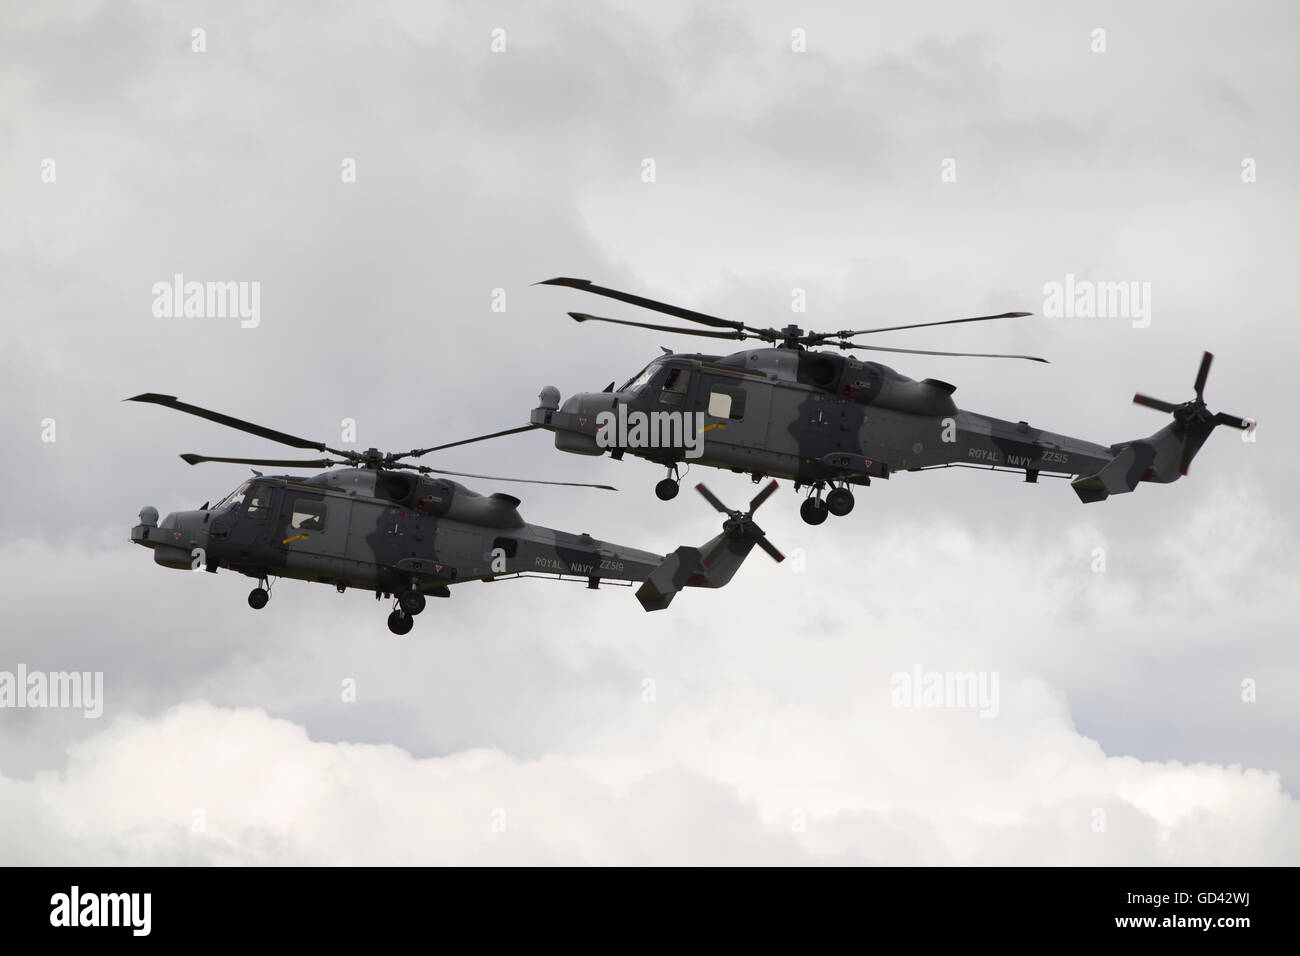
[793, 148]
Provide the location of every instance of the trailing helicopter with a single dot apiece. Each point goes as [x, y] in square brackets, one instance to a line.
[387, 525]
[832, 422]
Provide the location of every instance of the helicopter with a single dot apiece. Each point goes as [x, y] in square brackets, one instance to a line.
[830, 422]
[391, 526]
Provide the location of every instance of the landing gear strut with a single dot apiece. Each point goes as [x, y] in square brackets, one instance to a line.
[258, 597]
[667, 489]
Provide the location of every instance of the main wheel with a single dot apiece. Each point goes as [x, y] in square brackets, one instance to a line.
[813, 510]
[399, 622]
[412, 602]
[257, 598]
[666, 490]
[840, 502]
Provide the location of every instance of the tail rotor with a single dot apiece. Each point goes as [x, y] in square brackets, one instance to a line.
[1193, 417]
[740, 524]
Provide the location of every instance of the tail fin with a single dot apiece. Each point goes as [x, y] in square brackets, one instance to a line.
[1166, 455]
[713, 564]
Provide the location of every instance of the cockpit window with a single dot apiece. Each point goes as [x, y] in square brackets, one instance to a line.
[232, 498]
[637, 383]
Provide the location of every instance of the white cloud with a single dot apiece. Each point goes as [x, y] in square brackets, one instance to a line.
[743, 784]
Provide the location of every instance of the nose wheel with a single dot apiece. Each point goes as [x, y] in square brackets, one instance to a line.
[667, 489]
[258, 597]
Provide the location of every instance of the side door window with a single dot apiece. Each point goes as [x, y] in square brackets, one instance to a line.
[673, 391]
[307, 515]
[727, 401]
[257, 504]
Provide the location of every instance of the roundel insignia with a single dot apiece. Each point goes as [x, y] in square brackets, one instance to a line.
[918, 448]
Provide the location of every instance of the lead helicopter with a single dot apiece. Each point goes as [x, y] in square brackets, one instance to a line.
[831, 422]
[377, 526]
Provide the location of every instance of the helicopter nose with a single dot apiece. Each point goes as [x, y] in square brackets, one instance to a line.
[179, 541]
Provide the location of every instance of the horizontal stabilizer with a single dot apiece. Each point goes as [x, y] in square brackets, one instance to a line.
[676, 571]
[1121, 474]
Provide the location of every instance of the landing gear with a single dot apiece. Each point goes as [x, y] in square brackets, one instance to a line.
[258, 597]
[667, 489]
[399, 622]
[813, 510]
[840, 502]
[412, 602]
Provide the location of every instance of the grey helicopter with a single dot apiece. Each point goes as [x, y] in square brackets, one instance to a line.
[831, 422]
[388, 525]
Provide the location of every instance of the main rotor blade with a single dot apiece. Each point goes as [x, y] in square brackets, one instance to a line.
[587, 317]
[464, 441]
[284, 438]
[1201, 375]
[426, 470]
[881, 348]
[712, 499]
[1156, 403]
[193, 459]
[586, 285]
[923, 325]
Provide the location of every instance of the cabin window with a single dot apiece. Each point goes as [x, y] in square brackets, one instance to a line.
[727, 401]
[307, 515]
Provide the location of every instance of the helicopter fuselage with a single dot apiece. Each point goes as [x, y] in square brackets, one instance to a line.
[812, 416]
[388, 532]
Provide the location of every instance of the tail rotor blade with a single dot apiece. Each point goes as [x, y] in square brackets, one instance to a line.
[712, 499]
[762, 496]
[1202, 374]
[1232, 421]
[1157, 404]
[1185, 453]
[770, 548]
